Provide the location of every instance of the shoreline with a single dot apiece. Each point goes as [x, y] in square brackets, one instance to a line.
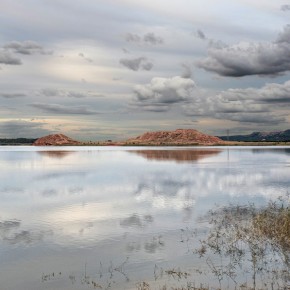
[123, 144]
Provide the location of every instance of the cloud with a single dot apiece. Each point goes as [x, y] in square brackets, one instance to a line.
[26, 47]
[125, 50]
[269, 93]
[285, 7]
[257, 118]
[161, 93]
[151, 38]
[12, 95]
[200, 34]
[187, 73]
[84, 57]
[250, 105]
[244, 59]
[135, 64]
[61, 109]
[52, 92]
[157, 108]
[130, 37]
[148, 38]
[7, 58]
[22, 129]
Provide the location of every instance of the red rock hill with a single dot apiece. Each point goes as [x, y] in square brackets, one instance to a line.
[177, 137]
[55, 140]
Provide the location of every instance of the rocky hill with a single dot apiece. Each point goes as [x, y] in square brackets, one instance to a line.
[278, 136]
[177, 137]
[55, 140]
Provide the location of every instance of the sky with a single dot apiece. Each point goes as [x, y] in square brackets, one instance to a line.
[104, 69]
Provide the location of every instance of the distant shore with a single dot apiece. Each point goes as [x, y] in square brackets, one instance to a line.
[123, 144]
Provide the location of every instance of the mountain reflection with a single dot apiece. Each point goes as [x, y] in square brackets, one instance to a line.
[283, 151]
[55, 154]
[180, 156]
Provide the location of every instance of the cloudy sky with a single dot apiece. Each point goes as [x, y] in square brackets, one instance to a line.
[106, 69]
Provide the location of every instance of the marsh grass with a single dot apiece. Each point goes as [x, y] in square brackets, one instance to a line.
[250, 242]
[245, 248]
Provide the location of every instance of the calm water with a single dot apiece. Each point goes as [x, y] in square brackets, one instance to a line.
[109, 218]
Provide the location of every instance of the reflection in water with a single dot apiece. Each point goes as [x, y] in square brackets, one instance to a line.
[180, 156]
[281, 151]
[136, 221]
[11, 233]
[56, 154]
[6, 226]
[108, 218]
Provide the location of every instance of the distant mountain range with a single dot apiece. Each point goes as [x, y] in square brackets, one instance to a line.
[278, 136]
[17, 141]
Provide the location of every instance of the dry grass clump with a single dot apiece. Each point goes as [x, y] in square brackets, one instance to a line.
[250, 240]
[274, 223]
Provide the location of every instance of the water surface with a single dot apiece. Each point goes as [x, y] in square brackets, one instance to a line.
[113, 217]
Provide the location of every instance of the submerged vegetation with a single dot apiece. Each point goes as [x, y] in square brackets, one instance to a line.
[252, 245]
[246, 247]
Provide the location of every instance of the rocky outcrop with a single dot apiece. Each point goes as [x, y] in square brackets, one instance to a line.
[177, 137]
[55, 140]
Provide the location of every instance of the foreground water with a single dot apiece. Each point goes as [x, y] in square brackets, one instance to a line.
[127, 218]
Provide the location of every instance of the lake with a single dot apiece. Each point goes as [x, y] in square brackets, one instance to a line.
[139, 217]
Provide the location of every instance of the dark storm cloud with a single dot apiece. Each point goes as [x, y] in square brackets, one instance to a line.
[135, 64]
[12, 95]
[26, 47]
[160, 93]
[7, 58]
[61, 109]
[148, 38]
[20, 128]
[244, 59]
[285, 7]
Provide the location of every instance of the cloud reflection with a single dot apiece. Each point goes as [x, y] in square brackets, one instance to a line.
[136, 221]
[11, 232]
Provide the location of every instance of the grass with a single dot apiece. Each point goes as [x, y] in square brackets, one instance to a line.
[252, 241]
[246, 248]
